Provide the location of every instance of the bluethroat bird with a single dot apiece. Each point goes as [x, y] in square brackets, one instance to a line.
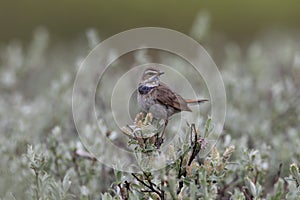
[157, 98]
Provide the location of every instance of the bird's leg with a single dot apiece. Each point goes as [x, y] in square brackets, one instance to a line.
[165, 126]
[160, 140]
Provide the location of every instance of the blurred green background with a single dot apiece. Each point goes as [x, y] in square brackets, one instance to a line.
[67, 19]
[255, 44]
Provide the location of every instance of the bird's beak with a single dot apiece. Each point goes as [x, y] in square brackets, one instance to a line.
[161, 73]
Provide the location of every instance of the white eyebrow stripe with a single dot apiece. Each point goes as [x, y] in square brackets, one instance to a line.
[151, 71]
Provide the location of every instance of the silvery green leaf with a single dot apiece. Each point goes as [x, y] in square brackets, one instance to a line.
[66, 181]
[251, 186]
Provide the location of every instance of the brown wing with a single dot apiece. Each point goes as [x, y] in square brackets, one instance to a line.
[166, 96]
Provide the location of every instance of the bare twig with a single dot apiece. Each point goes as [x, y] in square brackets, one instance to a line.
[196, 147]
[76, 167]
[84, 154]
[37, 184]
[248, 196]
[180, 185]
[150, 187]
[278, 174]
[162, 191]
[124, 190]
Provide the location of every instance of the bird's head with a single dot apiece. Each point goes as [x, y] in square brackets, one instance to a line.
[151, 76]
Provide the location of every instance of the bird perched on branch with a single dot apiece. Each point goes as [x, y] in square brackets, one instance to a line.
[157, 98]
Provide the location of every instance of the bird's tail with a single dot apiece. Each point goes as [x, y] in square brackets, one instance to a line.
[193, 101]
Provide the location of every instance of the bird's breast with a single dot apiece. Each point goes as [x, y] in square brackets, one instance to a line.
[144, 98]
[143, 89]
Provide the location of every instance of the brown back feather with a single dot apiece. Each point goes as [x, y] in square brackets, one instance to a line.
[166, 96]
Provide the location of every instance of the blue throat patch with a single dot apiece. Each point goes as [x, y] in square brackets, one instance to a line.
[144, 89]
